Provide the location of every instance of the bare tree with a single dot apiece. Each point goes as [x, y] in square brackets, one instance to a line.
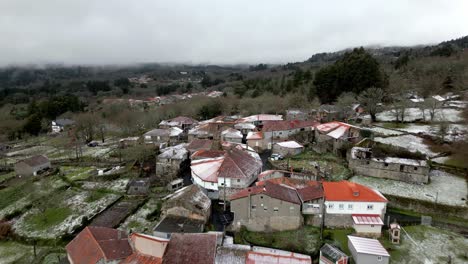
[432, 105]
[399, 107]
[371, 99]
[345, 102]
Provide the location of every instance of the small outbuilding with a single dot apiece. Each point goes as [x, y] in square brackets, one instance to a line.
[288, 148]
[331, 255]
[139, 186]
[231, 135]
[367, 251]
[59, 125]
[177, 224]
[32, 166]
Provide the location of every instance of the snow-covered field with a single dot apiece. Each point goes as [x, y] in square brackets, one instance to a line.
[138, 222]
[409, 142]
[430, 245]
[80, 210]
[119, 185]
[455, 131]
[381, 131]
[415, 114]
[448, 188]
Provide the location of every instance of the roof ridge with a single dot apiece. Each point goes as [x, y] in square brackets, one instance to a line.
[95, 240]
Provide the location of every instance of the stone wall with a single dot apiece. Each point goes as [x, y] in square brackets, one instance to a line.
[273, 223]
[377, 169]
[338, 220]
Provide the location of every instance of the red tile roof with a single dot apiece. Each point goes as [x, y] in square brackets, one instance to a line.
[350, 191]
[276, 256]
[361, 219]
[191, 248]
[137, 258]
[307, 190]
[254, 135]
[287, 125]
[95, 243]
[183, 120]
[277, 191]
[198, 144]
[203, 154]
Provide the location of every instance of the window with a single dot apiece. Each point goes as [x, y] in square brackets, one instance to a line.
[265, 208]
[367, 162]
[370, 206]
[415, 168]
[341, 206]
[350, 207]
[302, 129]
[330, 206]
[238, 180]
[254, 206]
[275, 209]
[291, 208]
[402, 167]
[379, 258]
[386, 164]
[261, 196]
[371, 225]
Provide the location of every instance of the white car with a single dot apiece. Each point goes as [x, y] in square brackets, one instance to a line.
[276, 157]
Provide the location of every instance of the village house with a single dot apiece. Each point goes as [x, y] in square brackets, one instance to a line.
[361, 162]
[245, 128]
[277, 204]
[99, 245]
[331, 255]
[182, 122]
[231, 135]
[274, 174]
[258, 120]
[190, 202]
[32, 166]
[210, 130]
[59, 125]
[367, 251]
[175, 185]
[349, 204]
[199, 144]
[163, 137]
[301, 114]
[235, 169]
[146, 249]
[277, 131]
[287, 148]
[333, 136]
[139, 186]
[129, 142]
[171, 161]
[170, 224]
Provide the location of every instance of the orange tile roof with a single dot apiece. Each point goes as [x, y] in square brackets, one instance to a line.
[350, 191]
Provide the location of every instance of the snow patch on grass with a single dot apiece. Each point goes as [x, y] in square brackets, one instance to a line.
[448, 188]
[410, 142]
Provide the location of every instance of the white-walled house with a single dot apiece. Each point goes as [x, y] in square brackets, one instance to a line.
[350, 204]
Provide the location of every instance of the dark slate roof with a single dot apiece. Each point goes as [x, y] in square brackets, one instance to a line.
[191, 248]
[36, 160]
[277, 191]
[64, 122]
[332, 253]
[178, 224]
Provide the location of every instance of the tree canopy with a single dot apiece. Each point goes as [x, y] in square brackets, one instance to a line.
[355, 72]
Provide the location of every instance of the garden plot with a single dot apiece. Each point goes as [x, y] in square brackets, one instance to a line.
[415, 114]
[115, 214]
[29, 152]
[119, 185]
[76, 173]
[428, 245]
[62, 213]
[6, 176]
[13, 252]
[144, 220]
[455, 131]
[410, 142]
[448, 188]
[380, 131]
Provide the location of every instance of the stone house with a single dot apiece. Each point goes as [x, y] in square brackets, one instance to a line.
[349, 204]
[231, 135]
[211, 130]
[367, 251]
[32, 166]
[301, 114]
[331, 137]
[245, 128]
[407, 170]
[182, 122]
[288, 148]
[59, 125]
[172, 224]
[277, 131]
[129, 142]
[199, 144]
[258, 120]
[171, 161]
[139, 186]
[235, 169]
[163, 137]
[190, 202]
[267, 207]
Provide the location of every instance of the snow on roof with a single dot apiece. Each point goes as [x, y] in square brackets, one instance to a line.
[207, 169]
[244, 126]
[232, 133]
[276, 125]
[268, 255]
[368, 246]
[417, 100]
[254, 135]
[289, 144]
[261, 117]
[174, 152]
[439, 98]
[328, 126]
[410, 162]
[367, 220]
[175, 131]
[339, 132]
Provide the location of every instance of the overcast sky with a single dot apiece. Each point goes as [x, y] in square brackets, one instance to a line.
[215, 31]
